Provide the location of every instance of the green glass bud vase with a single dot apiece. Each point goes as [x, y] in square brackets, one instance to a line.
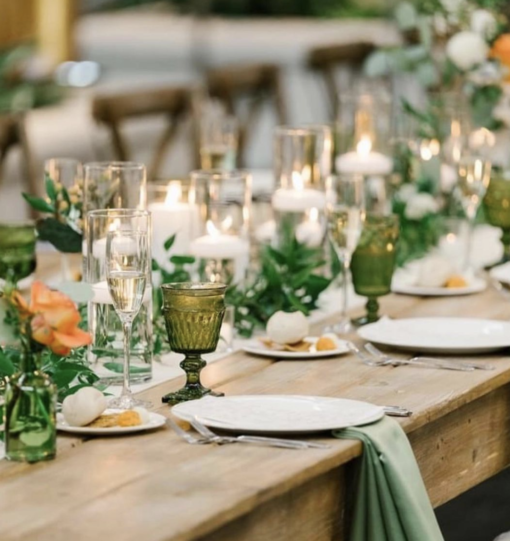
[17, 250]
[193, 315]
[29, 413]
[496, 205]
[373, 262]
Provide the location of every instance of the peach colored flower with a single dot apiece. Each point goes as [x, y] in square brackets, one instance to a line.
[501, 51]
[54, 319]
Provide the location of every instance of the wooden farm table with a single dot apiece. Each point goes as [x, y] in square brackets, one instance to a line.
[155, 487]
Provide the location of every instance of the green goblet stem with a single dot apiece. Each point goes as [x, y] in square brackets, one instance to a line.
[505, 240]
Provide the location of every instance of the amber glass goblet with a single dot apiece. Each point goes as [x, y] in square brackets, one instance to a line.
[193, 315]
[496, 205]
[373, 262]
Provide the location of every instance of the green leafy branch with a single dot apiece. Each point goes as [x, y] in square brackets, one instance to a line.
[288, 281]
[63, 227]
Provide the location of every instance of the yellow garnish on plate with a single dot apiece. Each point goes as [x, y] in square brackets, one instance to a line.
[456, 281]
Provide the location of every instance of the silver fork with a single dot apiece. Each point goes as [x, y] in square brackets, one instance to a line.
[259, 440]
[186, 436]
[432, 362]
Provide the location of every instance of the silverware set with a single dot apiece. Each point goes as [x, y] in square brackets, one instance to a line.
[376, 357]
[208, 436]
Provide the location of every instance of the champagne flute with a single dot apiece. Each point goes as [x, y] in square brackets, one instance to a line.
[127, 275]
[473, 180]
[345, 216]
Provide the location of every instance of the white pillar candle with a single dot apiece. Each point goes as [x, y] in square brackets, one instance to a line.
[298, 198]
[173, 217]
[219, 247]
[122, 245]
[364, 161]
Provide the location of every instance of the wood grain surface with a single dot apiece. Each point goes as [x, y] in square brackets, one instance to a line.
[156, 487]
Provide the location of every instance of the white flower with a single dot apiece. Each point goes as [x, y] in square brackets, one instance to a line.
[467, 49]
[406, 192]
[484, 23]
[448, 178]
[452, 6]
[419, 206]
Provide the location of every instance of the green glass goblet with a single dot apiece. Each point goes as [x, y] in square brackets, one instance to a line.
[496, 205]
[17, 250]
[373, 262]
[193, 315]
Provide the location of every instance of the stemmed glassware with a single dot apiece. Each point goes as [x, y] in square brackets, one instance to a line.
[497, 209]
[473, 180]
[127, 275]
[373, 262]
[345, 218]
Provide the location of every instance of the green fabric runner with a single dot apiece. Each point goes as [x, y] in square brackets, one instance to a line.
[391, 502]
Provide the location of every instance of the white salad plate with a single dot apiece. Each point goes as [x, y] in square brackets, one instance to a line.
[451, 335]
[155, 421]
[256, 347]
[278, 414]
[403, 283]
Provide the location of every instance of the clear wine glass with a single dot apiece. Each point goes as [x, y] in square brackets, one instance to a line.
[473, 180]
[127, 275]
[345, 216]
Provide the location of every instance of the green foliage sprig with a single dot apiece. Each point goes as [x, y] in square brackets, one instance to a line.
[63, 227]
[288, 281]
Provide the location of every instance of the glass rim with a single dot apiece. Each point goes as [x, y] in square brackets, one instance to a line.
[219, 173]
[21, 223]
[116, 165]
[183, 287]
[302, 129]
[118, 212]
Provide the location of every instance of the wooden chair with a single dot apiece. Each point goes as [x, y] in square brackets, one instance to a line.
[112, 109]
[258, 84]
[326, 59]
[13, 134]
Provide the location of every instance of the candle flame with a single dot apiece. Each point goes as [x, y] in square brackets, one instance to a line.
[297, 181]
[314, 214]
[429, 149]
[173, 193]
[211, 229]
[114, 225]
[364, 146]
[226, 224]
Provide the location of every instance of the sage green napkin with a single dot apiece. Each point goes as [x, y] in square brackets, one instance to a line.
[391, 503]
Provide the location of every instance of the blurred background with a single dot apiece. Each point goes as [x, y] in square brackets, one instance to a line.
[61, 61]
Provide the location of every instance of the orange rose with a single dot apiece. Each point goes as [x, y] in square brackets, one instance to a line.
[501, 51]
[55, 319]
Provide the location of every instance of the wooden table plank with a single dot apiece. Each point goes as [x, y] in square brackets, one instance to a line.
[157, 487]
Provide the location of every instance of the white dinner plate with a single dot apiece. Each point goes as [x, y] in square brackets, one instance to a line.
[439, 334]
[155, 421]
[278, 414]
[256, 347]
[402, 285]
[501, 273]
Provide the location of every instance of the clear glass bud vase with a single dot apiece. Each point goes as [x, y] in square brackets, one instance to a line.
[29, 413]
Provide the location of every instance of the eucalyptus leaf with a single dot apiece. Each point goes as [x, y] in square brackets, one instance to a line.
[406, 16]
[50, 188]
[378, 64]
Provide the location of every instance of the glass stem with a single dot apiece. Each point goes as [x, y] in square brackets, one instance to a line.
[127, 325]
[346, 263]
[469, 244]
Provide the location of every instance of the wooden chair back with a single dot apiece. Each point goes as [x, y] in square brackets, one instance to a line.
[112, 109]
[326, 59]
[258, 83]
[13, 134]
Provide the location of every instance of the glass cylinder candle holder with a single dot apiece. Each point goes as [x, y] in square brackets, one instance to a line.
[17, 251]
[363, 134]
[193, 315]
[174, 213]
[219, 135]
[106, 351]
[110, 185]
[302, 165]
[223, 200]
